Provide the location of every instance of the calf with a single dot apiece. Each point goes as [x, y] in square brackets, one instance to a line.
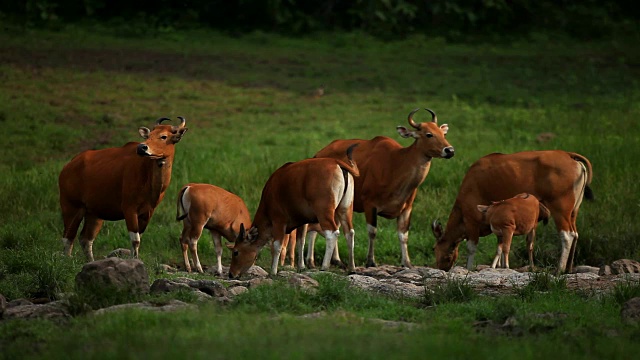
[518, 215]
[126, 182]
[204, 206]
[558, 178]
[318, 190]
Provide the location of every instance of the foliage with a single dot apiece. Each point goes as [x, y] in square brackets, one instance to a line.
[541, 282]
[625, 290]
[451, 289]
[385, 18]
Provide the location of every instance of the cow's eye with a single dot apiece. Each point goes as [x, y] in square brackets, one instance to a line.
[429, 135]
[163, 137]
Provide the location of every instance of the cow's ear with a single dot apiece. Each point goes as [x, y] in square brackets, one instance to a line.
[405, 133]
[177, 137]
[144, 132]
[252, 235]
[483, 208]
[241, 234]
[436, 227]
[444, 128]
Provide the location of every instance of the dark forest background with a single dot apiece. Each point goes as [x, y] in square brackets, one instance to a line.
[582, 19]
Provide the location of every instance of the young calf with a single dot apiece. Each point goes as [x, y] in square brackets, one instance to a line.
[318, 190]
[518, 215]
[207, 206]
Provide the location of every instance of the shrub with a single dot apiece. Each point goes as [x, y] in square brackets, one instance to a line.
[451, 290]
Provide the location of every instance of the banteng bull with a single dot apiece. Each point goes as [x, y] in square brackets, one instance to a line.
[125, 182]
[518, 215]
[204, 206]
[559, 179]
[389, 177]
[318, 190]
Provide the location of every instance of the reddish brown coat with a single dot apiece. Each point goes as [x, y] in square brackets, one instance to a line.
[558, 178]
[307, 191]
[518, 215]
[205, 206]
[390, 175]
[125, 182]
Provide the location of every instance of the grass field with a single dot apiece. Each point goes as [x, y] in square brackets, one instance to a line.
[249, 108]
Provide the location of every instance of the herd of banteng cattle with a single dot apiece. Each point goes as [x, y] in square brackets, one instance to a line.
[504, 194]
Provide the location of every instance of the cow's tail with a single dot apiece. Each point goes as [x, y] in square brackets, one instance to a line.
[181, 212]
[351, 167]
[588, 193]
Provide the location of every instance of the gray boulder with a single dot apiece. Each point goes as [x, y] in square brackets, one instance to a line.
[630, 312]
[126, 275]
[625, 266]
[52, 310]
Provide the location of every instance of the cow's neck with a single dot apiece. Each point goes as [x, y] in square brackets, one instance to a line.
[160, 176]
[265, 228]
[414, 162]
[454, 230]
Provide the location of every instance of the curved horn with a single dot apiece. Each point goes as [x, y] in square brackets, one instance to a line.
[182, 122]
[411, 122]
[159, 121]
[434, 118]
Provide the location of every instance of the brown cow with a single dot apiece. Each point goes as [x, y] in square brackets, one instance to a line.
[204, 206]
[390, 175]
[318, 190]
[518, 215]
[125, 182]
[558, 178]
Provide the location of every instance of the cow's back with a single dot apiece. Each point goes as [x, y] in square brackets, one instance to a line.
[94, 180]
[548, 175]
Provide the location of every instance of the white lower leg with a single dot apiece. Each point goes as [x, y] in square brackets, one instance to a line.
[277, 247]
[403, 238]
[312, 242]
[300, 248]
[217, 243]
[497, 258]
[68, 246]
[87, 247]
[566, 239]
[193, 247]
[372, 231]
[351, 245]
[471, 247]
[135, 243]
[331, 239]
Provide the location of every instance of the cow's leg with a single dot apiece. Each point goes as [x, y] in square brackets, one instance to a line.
[311, 263]
[346, 219]
[283, 249]
[71, 217]
[301, 233]
[131, 218]
[291, 247]
[371, 217]
[184, 244]
[473, 236]
[278, 236]
[506, 246]
[563, 225]
[217, 243]
[531, 237]
[89, 232]
[331, 237]
[404, 222]
[497, 259]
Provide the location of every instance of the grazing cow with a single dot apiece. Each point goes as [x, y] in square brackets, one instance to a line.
[558, 178]
[204, 206]
[125, 182]
[389, 177]
[518, 215]
[318, 190]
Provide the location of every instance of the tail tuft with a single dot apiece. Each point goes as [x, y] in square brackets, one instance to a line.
[588, 193]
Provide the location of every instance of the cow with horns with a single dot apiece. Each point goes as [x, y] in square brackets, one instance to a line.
[559, 179]
[118, 183]
[389, 177]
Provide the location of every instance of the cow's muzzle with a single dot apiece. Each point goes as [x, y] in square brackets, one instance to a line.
[143, 150]
[448, 152]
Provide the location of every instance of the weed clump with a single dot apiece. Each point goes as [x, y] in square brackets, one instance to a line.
[452, 290]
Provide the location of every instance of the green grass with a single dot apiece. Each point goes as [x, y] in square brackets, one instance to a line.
[247, 104]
